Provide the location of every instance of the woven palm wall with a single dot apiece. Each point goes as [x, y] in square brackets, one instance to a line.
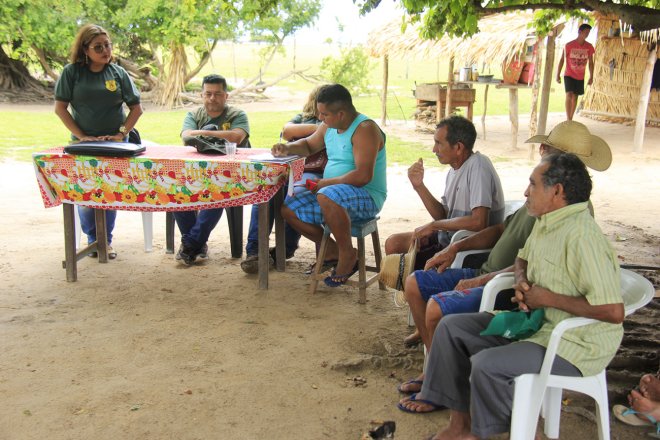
[619, 65]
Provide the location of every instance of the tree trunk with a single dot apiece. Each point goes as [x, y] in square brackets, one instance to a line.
[44, 63]
[175, 77]
[14, 77]
[205, 58]
[262, 70]
[145, 80]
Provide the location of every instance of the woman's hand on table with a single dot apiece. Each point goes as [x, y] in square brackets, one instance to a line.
[89, 138]
[279, 150]
[119, 137]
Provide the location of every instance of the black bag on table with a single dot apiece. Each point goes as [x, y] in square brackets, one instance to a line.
[207, 144]
[109, 148]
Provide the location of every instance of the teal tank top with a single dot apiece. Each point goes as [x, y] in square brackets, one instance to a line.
[339, 147]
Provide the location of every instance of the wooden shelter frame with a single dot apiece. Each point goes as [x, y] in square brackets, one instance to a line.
[501, 39]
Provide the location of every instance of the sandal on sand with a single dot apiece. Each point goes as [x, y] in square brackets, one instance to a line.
[327, 265]
[335, 280]
[413, 398]
[400, 389]
[631, 417]
[412, 340]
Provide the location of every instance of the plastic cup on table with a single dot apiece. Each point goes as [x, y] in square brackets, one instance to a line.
[231, 149]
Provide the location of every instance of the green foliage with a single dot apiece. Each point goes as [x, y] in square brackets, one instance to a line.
[351, 69]
[460, 17]
[284, 20]
[47, 25]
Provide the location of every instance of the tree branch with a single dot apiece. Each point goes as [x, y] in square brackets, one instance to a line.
[41, 56]
[206, 56]
[485, 11]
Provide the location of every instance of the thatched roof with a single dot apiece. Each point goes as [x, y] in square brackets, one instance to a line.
[650, 37]
[500, 38]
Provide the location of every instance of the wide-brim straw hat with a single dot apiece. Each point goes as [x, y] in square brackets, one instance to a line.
[394, 270]
[574, 137]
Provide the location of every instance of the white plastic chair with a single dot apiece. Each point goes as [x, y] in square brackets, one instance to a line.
[510, 207]
[544, 390]
[147, 227]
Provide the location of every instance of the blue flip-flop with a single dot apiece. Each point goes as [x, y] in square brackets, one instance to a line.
[413, 398]
[410, 382]
[334, 280]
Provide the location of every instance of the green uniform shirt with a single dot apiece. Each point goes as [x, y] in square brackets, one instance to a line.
[229, 119]
[97, 98]
[517, 228]
[568, 254]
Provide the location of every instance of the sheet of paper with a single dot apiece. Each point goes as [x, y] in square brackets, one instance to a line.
[268, 157]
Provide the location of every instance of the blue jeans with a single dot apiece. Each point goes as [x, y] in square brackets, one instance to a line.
[196, 227]
[431, 282]
[291, 236]
[88, 222]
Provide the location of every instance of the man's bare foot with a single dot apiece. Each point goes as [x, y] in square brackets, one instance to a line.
[649, 387]
[417, 405]
[459, 428]
[346, 263]
[412, 386]
[446, 434]
[644, 406]
[413, 339]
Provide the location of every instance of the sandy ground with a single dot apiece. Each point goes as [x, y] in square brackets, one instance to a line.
[142, 348]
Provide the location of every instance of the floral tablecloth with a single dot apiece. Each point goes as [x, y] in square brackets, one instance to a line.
[164, 178]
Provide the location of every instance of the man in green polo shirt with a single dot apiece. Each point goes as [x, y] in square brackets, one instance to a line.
[567, 268]
[214, 119]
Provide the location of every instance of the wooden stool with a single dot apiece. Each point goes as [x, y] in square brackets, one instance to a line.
[358, 230]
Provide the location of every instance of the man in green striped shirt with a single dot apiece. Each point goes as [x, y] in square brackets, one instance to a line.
[568, 268]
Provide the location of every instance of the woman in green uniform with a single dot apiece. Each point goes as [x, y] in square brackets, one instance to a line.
[95, 90]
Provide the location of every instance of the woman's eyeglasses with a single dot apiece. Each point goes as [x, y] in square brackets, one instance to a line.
[99, 48]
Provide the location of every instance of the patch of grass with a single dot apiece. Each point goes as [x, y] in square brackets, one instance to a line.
[163, 128]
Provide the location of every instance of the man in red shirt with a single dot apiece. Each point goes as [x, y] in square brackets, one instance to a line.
[577, 54]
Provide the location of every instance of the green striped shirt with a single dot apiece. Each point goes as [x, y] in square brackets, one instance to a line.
[568, 254]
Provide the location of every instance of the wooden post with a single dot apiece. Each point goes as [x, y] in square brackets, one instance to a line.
[538, 64]
[450, 86]
[263, 246]
[383, 112]
[547, 80]
[513, 116]
[483, 117]
[644, 95]
[70, 257]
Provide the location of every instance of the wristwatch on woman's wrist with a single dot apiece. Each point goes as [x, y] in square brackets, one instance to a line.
[123, 130]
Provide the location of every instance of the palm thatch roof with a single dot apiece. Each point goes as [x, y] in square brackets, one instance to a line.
[500, 38]
[650, 37]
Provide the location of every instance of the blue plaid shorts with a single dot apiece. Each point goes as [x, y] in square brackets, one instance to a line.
[355, 200]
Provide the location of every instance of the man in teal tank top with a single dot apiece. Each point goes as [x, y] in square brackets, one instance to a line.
[353, 187]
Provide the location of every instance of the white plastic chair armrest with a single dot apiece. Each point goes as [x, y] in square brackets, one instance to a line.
[555, 339]
[460, 257]
[500, 282]
[461, 234]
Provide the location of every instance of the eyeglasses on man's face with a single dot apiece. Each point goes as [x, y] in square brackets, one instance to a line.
[99, 48]
[209, 95]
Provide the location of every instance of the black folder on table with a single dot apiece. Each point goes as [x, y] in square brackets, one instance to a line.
[105, 148]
